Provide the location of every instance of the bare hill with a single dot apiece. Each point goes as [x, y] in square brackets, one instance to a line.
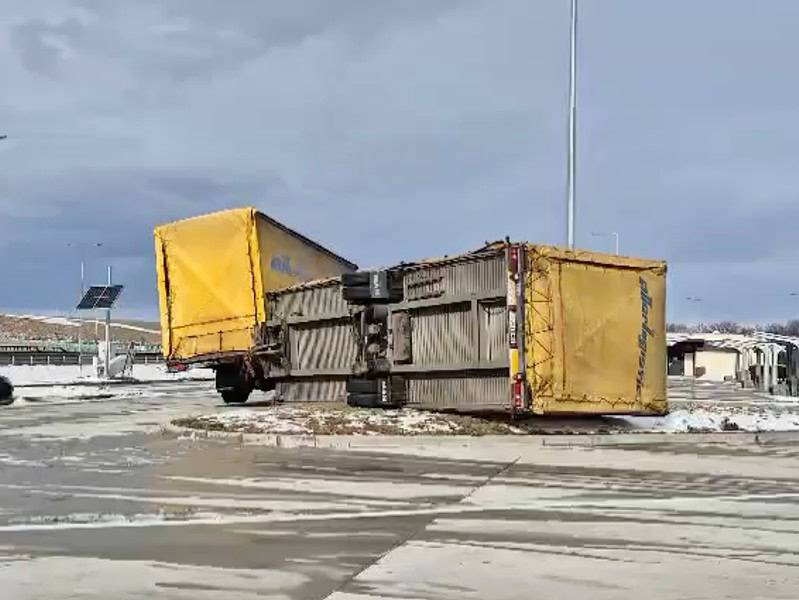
[40, 328]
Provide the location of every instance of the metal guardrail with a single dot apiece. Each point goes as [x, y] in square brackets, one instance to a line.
[64, 346]
[65, 358]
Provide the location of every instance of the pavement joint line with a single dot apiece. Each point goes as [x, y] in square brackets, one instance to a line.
[419, 530]
[504, 469]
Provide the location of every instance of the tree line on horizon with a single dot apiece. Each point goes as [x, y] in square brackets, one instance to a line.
[790, 327]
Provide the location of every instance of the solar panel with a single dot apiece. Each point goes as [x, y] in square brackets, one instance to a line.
[100, 296]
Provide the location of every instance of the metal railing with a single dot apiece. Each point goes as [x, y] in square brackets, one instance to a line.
[64, 358]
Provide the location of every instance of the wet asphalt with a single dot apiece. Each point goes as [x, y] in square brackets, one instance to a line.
[98, 499]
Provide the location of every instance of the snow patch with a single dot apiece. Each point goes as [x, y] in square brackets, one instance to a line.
[719, 418]
[31, 375]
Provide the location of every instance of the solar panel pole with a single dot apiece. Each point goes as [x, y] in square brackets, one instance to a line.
[108, 332]
[80, 316]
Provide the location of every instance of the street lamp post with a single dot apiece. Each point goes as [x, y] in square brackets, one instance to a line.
[572, 164]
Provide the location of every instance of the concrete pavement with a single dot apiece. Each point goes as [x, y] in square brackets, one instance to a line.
[98, 501]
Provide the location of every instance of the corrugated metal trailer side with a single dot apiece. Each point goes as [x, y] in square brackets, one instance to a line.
[456, 356]
[309, 341]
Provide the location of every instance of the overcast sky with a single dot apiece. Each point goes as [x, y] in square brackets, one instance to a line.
[393, 130]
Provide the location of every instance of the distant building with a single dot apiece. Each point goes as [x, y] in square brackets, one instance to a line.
[762, 360]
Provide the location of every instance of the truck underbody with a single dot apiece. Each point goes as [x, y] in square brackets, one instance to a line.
[449, 334]
[352, 337]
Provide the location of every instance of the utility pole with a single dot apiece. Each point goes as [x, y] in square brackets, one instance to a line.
[572, 165]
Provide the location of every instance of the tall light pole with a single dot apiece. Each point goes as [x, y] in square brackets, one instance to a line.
[571, 183]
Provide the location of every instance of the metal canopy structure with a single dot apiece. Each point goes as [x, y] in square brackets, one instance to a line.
[735, 341]
[100, 296]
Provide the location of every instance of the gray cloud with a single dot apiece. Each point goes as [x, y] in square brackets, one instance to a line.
[42, 46]
[395, 130]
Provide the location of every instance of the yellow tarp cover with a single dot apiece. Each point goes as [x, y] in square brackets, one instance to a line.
[595, 328]
[214, 271]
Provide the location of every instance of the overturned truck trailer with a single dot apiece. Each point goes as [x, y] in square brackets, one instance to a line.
[513, 327]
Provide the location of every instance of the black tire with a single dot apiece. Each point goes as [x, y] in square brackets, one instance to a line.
[363, 386]
[364, 279]
[361, 278]
[266, 385]
[6, 392]
[387, 405]
[363, 400]
[399, 397]
[236, 395]
[233, 384]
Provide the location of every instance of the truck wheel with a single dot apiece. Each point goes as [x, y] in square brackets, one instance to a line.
[235, 396]
[359, 278]
[233, 384]
[6, 392]
[362, 400]
[266, 385]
